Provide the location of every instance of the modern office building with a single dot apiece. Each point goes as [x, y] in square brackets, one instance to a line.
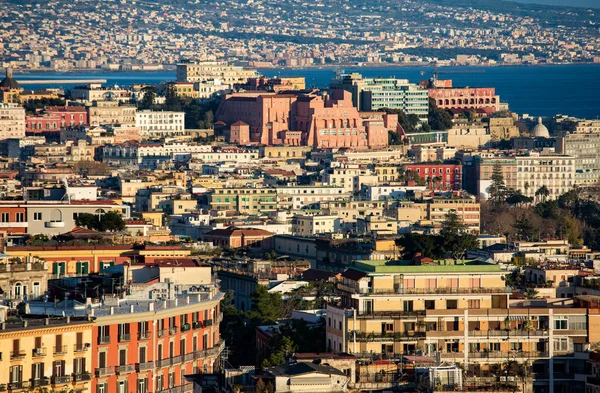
[584, 146]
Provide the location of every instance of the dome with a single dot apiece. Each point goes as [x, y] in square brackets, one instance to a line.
[540, 130]
[9, 82]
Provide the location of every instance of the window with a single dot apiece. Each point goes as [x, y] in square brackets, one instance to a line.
[37, 216]
[5, 217]
[474, 304]
[408, 306]
[122, 387]
[16, 374]
[451, 304]
[37, 371]
[516, 346]
[561, 323]
[79, 366]
[561, 344]
[429, 304]
[141, 386]
[20, 217]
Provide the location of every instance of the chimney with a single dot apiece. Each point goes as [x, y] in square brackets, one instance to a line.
[132, 309]
[112, 310]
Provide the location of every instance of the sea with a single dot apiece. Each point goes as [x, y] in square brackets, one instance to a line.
[536, 90]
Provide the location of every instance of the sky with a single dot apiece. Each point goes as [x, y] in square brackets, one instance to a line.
[573, 3]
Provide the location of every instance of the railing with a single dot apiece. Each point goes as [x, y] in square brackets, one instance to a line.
[2, 387]
[143, 335]
[163, 363]
[214, 351]
[17, 355]
[173, 330]
[126, 368]
[384, 314]
[508, 333]
[176, 360]
[60, 350]
[80, 347]
[85, 376]
[208, 322]
[105, 371]
[18, 385]
[104, 340]
[389, 337]
[162, 332]
[145, 366]
[507, 355]
[437, 291]
[197, 325]
[40, 382]
[38, 352]
[59, 380]
[188, 357]
[124, 337]
[185, 327]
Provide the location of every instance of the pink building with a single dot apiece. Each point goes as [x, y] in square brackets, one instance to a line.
[298, 119]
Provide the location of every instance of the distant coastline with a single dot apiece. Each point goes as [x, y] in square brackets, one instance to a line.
[309, 66]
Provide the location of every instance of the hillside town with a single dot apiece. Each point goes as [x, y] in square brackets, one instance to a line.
[230, 232]
[150, 35]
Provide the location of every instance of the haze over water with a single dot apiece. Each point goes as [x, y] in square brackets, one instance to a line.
[535, 90]
[569, 3]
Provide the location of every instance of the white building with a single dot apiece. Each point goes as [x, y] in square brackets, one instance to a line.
[376, 193]
[302, 196]
[157, 124]
[350, 177]
[303, 225]
[12, 121]
[556, 172]
[204, 71]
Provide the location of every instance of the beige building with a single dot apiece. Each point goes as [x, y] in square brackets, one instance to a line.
[468, 136]
[244, 200]
[12, 121]
[502, 128]
[556, 172]
[110, 112]
[350, 176]
[213, 71]
[303, 225]
[158, 124]
[466, 208]
[22, 278]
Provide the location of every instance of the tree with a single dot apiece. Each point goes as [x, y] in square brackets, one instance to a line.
[543, 192]
[516, 198]
[267, 307]
[438, 118]
[497, 188]
[148, 99]
[87, 220]
[91, 168]
[525, 230]
[284, 348]
[111, 221]
[455, 238]
[407, 122]
[531, 293]
[453, 225]
[172, 101]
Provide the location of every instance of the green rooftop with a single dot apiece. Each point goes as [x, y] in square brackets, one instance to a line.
[438, 266]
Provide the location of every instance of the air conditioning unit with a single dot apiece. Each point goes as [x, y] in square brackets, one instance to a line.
[39, 351]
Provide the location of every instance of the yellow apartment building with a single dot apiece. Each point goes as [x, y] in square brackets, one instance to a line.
[53, 353]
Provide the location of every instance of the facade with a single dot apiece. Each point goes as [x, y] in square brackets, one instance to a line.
[111, 112]
[95, 92]
[459, 311]
[303, 225]
[22, 278]
[158, 124]
[468, 137]
[304, 119]
[232, 237]
[350, 176]
[584, 147]
[244, 200]
[204, 71]
[441, 177]
[372, 94]
[52, 353]
[12, 121]
[556, 172]
[502, 128]
[466, 98]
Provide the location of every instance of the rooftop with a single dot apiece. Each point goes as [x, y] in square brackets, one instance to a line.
[438, 266]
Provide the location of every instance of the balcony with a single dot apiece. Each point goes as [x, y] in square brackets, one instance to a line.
[214, 351]
[38, 352]
[185, 327]
[163, 363]
[144, 366]
[188, 357]
[17, 355]
[18, 385]
[82, 377]
[124, 337]
[2, 387]
[126, 369]
[197, 325]
[144, 336]
[173, 330]
[378, 337]
[208, 322]
[508, 333]
[103, 340]
[105, 371]
[54, 224]
[176, 360]
[61, 380]
[439, 291]
[162, 332]
[80, 347]
[60, 350]
[35, 383]
[508, 355]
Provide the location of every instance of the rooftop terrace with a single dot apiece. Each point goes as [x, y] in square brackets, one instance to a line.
[438, 266]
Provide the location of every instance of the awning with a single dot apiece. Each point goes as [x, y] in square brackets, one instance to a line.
[517, 318]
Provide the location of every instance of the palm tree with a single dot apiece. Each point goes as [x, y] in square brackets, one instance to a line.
[543, 192]
[531, 293]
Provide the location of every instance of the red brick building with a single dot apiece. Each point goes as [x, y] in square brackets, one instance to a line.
[442, 177]
[466, 98]
[55, 118]
[233, 237]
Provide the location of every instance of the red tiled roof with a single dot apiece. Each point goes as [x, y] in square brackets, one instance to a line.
[233, 231]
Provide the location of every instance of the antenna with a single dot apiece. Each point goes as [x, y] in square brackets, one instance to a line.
[66, 184]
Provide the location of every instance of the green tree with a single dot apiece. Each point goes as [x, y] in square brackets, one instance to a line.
[516, 198]
[87, 220]
[525, 229]
[111, 221]
[438, 119]
[455, 238]
[497, 188]
[172, 101]
[267, 307]
[148, 100]
[543, 192]
[284, 348]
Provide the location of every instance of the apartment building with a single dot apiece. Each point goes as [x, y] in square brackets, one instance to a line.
[304, 225]
[584, 147]
[204, 71]
[12, 121]
[459, 311]
[556, 172]
[95, 92]
[468, 209]
[443, 177]
[299, 197]
[244, 200]
[51, 353]
[349, 176]
[159, 124]
[111, 112]
[22, 278]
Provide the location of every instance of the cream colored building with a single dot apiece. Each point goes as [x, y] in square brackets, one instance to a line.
[110, 112]
[502, 128]
[304, 225]
[213, 71]
[468, 136]
[350, 176]
[159, 124]
[12, 121]
[556, 172]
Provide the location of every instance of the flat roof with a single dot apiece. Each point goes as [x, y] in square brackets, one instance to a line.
[439, 266]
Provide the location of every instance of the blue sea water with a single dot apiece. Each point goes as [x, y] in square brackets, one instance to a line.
[536, 90]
